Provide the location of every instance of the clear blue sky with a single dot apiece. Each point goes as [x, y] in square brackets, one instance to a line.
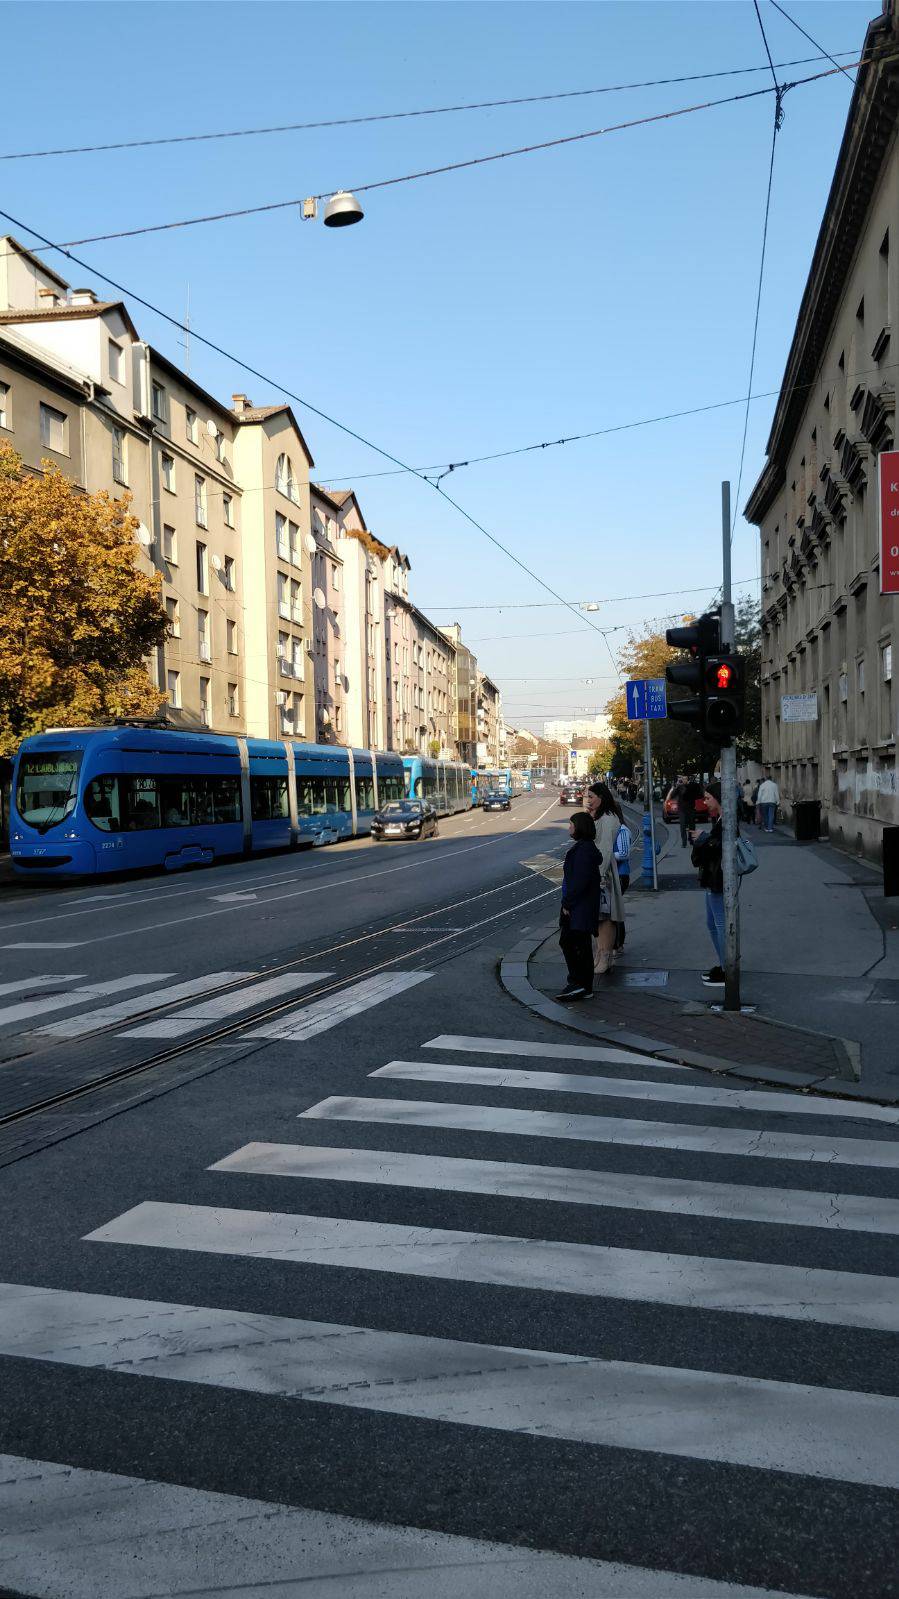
[573, 289]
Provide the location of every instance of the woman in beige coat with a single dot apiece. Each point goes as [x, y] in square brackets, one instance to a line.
[607, 814]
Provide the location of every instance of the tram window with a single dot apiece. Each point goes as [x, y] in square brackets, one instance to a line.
[268, 798]
[304, 796]
[391, 788]
[103, 805]
[140, 802]
[226, 798]
[175, 798]
[344, 801]
[365, 794]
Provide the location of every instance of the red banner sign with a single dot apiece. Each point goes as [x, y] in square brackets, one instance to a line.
[888, 468]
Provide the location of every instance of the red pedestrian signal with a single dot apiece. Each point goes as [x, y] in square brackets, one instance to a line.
[725, 676]
[725, 702]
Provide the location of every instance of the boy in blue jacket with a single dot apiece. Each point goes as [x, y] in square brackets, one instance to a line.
[579, 916]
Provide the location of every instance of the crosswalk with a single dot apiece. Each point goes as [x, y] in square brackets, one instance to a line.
[361, 1206]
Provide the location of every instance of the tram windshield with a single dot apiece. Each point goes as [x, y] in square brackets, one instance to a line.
[47, 787]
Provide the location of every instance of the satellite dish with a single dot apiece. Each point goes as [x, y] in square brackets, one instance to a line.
[212, 429]
[216, 563]
[310, 544]
[319, 599]
[144, 536]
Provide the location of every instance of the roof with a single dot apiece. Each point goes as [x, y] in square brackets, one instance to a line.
[35, 262]
[342, 498]
[69, 313]
[325, 494]
[263, 413]
[870, 127]
[14, 345]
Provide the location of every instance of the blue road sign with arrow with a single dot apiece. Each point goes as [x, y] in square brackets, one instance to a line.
[646, 699]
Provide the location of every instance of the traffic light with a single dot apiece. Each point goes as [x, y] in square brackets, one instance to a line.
[701, 639]
[725, 698]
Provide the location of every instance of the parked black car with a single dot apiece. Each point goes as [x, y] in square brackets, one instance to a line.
[409, 818]
[497, 800]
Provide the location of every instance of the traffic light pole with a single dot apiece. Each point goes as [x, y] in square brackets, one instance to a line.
[729, 789]
[649, 820]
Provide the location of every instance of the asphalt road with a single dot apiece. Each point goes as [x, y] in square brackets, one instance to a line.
[374, 1284]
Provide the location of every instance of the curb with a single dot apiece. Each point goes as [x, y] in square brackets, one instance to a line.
[513, 975]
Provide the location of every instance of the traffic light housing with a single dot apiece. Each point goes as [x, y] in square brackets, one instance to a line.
[701, 640]
[725, 698]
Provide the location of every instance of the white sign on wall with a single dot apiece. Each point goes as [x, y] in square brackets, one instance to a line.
[799, 707]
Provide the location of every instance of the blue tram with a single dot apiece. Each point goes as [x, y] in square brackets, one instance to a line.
[444, 783]
[91, 800]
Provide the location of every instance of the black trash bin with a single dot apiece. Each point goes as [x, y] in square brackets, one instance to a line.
[891, 862]
[806, 820]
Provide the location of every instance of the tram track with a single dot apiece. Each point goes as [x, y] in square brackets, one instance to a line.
[216, 1035]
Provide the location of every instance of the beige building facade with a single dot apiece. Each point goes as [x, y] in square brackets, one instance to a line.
[827, 630]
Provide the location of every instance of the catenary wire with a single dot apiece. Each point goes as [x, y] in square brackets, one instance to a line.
[808, 36]
[449, 166]
[396, 116]
[315, 411]
[613, 599]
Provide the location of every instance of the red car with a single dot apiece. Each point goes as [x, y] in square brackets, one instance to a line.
[571, 796]
[671, 808]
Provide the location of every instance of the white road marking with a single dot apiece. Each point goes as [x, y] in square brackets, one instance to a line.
[788, 1207]
[522, 1046]
[28, 983]
[70, 945]
[75, 1026]
[328, 1012]
[223, 1005]
[240, 897]
[754, 1288]
[779, 1426]
[27, 1008]
[105, 1533]
[688, 1094]
[498, 1120]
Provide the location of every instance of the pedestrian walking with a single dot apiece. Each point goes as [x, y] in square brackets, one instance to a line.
[706, 854]
[768, 800]
[579, 913]
[609, 817]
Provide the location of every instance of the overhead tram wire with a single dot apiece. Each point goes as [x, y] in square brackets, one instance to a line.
[449, 166]
[397, 116]
[314, 410]
[612, 599]
[826, 53]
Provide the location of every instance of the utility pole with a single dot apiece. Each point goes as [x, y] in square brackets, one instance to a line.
[650, 864]
[729, 789]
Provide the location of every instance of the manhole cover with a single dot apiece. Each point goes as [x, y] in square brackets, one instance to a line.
[644, 979]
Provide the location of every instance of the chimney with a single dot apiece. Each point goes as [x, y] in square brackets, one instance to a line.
[83, 297]
[240, 403]
[48, 297]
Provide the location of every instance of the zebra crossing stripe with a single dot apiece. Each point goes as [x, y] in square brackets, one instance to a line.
[751, 1100]
[790, 1207]
[224, 1005]
[322, 1014]
[75, 1026]
[749, 1421]
[29, 1008]
[26, 984]
[506, 1122]
[754, 1288]
[105, 1533]
[525, 1046]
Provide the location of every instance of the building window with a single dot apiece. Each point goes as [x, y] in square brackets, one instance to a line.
[231, 637]
[228, 509]
[200, 501]
[886, 662]
[229, 572]
[202, 569]
[171, 611]
[118, 455]
[173, 687]
[335, 578]
[204, 701]
[233, 701]
[5, 408]
[843, 686]
[218, 440]
[285, 482]
[160, 403]
[281, 541]
[116, 362]
[168, 473]
[191, 425]
[283, 595]
[294, 539]
[203, 646]
[169, 546]
[296, 600]
[54, 429]
[860, 676]
[297, 659]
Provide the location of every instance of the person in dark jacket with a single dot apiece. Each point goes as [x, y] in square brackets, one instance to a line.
[579, 916]
[706, 854]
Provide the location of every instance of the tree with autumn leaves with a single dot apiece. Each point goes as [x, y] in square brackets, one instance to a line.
[77, 617]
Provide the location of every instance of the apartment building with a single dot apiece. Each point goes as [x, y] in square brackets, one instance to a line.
[329, 676]
[363, 558]
[466, 696]
[828, 631]
[490, 727]
[420, 659]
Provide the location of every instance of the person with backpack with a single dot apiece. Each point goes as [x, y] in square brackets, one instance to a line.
[622, 853]
[579, 913]
[609, 818]
[706, 854]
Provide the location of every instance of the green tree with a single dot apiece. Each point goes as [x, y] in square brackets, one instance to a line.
[676, 746]
[77, 618]
[601, 759]
[748, 639]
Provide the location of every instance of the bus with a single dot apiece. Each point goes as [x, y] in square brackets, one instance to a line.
[444, 783]
[86, 801]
